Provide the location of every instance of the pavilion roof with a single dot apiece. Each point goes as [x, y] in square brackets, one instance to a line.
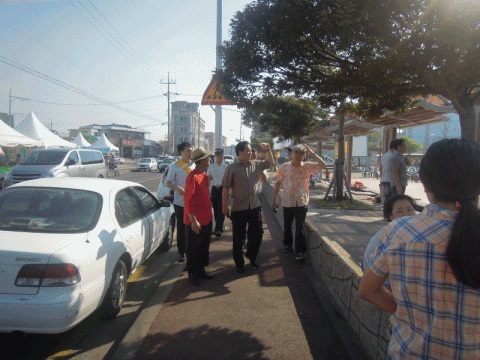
[428, 111]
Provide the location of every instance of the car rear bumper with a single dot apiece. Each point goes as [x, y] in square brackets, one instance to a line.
[43, 314]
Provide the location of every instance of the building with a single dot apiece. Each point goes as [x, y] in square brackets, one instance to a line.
[210, 141]
[186, 125]
[130, 141]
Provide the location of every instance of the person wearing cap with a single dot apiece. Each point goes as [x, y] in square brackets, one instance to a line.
[293, 177]
[177, 174]
[242, 178]
[198, 217]
[215, 172]
[289, 151]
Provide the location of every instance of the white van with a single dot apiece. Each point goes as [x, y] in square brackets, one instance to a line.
[59, 162]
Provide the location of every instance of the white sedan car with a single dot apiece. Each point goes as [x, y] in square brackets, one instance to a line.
[149, 164]
[68, 246]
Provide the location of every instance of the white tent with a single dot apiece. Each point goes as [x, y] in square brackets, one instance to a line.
[32, 127]
[80, 140]
[11, 137]
[104, 145]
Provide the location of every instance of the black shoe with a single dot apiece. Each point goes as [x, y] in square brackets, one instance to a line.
[254, 264]
[218, 233]
[300, 256]
[287, 249]
[182, 258]
[240, 269]
[194, 280]
[205, 275]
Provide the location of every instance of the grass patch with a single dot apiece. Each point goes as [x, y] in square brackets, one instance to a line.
[343, 204]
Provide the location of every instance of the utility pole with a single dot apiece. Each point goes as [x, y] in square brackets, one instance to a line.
[169, 138]
[218, 108]
[10, 103]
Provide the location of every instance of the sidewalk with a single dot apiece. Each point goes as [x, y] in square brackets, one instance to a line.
[282, 310]
[267, 313]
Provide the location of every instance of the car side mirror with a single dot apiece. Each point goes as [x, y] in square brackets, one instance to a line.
[164, 203]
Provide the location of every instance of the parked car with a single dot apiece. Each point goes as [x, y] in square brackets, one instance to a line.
[119, 160]
[59, 162]
[162, 166]
[147, 164]
[69, 246]
[228, 159]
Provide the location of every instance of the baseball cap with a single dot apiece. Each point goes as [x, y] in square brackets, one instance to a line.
[219, 151]
[299, 148]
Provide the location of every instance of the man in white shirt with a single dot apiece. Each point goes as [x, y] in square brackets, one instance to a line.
[177, 175]
[215, 173]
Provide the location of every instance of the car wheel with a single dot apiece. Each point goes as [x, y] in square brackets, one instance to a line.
[168, 240]
[113, 301]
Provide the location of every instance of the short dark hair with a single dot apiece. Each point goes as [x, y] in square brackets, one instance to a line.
[391, 200]
[241, 146]
[182, 146]
[396, 143]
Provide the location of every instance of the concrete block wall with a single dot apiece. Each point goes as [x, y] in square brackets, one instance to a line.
[341, 276]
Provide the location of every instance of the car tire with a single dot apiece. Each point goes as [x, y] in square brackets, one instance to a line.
[115, 296]
[168, 240]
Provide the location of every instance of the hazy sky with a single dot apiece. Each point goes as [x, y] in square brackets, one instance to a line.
[70, 57]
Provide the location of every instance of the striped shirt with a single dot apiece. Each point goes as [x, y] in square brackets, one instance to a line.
[437, 317]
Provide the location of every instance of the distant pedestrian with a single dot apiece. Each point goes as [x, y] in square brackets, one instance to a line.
[198, 217]
[394, 170]
[215, 172]
[177, 174]
[294, 177]
[397, 206]
[433, 260]
[242, 178]
[327, 174]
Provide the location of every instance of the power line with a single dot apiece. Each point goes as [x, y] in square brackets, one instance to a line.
[119, 46]
[70, 87]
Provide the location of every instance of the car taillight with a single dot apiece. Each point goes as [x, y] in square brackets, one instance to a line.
[35, 275]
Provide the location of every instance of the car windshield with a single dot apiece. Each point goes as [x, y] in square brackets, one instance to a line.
[49, 210]
[145, 160]
[168, 161]
[45, 158]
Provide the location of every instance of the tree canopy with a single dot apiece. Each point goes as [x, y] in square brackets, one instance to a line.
[380, 55]
[285, 117]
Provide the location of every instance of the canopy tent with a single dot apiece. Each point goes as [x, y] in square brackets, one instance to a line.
[80, 141]
[31, 126]
[104, 145]
[11, 137]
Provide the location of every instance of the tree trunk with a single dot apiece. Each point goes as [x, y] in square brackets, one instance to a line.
[468, 117]
[340, 161]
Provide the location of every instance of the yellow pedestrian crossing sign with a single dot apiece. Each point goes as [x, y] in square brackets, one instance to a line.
[213, 96]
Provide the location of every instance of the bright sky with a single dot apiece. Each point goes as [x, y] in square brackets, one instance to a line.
[97, 51]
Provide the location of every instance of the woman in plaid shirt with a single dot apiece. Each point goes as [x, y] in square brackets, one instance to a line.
[433, 260]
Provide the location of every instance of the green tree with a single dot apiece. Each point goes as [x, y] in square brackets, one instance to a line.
[286, 117]
[372, 56]
[412, 145]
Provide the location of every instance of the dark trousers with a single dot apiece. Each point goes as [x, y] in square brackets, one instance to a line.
[217, 207]
[198, 247]
[180, 229]
[298, 213]
[251, 218]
